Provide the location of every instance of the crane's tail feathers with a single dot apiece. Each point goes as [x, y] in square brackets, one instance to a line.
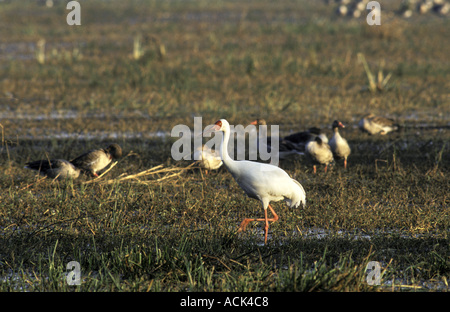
[303, 193]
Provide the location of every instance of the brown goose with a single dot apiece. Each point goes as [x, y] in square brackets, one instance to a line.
[97, 159]
[300, 139]
[319, 152]
[339, 145]
[377, 125]
[54, 168]
[285, 148]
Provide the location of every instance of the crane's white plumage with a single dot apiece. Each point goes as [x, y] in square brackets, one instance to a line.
[260, 181]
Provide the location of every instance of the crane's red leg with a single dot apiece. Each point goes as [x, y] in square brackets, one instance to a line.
[246, 221]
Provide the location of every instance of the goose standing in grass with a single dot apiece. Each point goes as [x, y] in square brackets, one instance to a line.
[60, 169]
[339, 145]
[285, 148]
[209, 159]
[95, 160]
[377, 125]
[260, 181]
[319, 152]
[300, 139]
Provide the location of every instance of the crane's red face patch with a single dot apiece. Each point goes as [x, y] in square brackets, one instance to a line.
[218, 123]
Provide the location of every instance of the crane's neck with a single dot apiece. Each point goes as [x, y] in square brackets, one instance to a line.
[228, 162]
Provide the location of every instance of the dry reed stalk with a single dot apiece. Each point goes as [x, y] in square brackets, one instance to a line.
[100, 176]
[34, 183]
[40, 51]
[138, 51]
[170, 173]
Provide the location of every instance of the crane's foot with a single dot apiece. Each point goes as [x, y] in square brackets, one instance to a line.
[246, 221]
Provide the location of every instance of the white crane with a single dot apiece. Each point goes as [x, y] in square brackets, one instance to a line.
[260, 181]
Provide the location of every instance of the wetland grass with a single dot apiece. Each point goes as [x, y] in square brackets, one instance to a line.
[135, 229]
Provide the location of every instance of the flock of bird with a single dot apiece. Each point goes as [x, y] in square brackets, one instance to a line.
[261, 181]
[313, 143]
[266, 182]
[358, 8]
